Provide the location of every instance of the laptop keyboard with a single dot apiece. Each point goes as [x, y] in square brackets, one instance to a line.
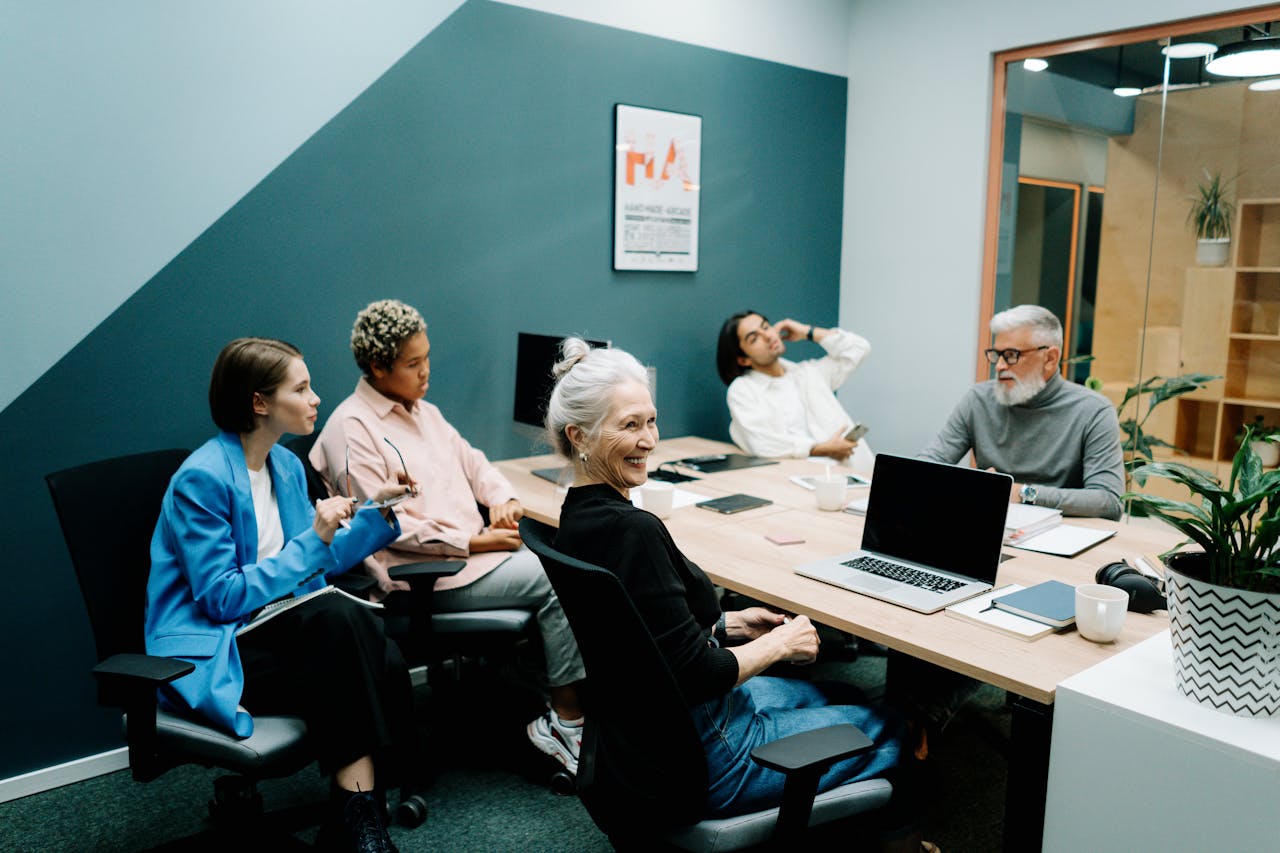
[906, 574]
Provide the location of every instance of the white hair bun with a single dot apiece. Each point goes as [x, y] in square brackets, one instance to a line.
[572, 351]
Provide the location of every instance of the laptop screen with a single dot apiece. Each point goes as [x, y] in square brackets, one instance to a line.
[944, 516]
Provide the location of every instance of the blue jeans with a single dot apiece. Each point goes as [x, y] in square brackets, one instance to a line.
[764, 709]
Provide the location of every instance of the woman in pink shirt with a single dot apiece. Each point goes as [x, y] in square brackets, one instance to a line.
[384, 428]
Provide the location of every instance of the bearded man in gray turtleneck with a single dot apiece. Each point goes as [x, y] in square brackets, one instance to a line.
[1059, 441]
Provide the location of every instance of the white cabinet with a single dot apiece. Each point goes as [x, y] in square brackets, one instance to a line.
[1134, 765]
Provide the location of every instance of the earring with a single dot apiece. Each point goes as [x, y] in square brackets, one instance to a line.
[582, 454]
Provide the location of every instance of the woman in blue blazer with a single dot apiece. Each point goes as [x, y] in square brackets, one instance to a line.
[236, 531]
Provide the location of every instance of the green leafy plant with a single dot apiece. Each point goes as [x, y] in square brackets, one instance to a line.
[1259, 428]
[1210, 214]
[1137, 443]
[1237, 525]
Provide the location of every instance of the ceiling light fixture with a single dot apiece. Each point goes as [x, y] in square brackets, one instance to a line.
[1034, 64]
[1189, 50]
[1271, 84]
[1120, 89]
[1251, 57]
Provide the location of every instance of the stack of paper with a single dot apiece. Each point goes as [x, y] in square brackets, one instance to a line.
[981, 611]
[1026, 520]
[857, 506]
[1063, 540]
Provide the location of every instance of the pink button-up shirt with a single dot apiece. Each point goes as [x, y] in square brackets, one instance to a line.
[439, 522]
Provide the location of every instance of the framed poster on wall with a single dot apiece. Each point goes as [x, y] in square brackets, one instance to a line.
[656, 186]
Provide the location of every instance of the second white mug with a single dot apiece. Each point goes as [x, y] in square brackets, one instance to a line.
[830, 492]
[1100, 611]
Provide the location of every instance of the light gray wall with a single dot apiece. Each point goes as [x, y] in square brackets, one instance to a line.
[915, 187]
[130, 126]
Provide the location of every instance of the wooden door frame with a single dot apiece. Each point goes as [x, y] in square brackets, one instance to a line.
[995, 160]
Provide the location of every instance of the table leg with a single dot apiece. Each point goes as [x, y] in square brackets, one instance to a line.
[1031, 726]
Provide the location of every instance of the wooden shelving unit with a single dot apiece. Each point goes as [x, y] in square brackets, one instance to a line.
[1231, 327]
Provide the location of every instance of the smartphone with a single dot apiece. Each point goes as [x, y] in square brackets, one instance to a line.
[858, 431]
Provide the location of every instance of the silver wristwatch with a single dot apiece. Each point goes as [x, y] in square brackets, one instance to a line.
[1028, 494]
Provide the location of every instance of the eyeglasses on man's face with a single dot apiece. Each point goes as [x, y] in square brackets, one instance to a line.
[1010, 356]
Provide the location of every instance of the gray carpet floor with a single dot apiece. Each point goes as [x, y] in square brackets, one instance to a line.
[485, 800]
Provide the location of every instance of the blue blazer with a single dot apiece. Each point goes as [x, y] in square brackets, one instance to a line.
[206, 579]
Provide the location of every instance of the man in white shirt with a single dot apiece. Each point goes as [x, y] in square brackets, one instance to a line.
[785, 408]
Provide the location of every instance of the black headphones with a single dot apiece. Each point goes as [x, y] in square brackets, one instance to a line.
[1145, 594]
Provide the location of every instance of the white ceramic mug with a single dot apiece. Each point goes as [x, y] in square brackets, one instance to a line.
[830, 492]
[656, 496]
[1100, 611]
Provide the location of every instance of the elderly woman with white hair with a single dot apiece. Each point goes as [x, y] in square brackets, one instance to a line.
[601, 417]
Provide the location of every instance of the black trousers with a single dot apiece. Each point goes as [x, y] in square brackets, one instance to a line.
[329, 662]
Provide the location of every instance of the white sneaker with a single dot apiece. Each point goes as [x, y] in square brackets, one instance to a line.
[556, 739]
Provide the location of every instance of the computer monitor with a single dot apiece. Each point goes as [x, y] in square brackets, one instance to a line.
[536, 355]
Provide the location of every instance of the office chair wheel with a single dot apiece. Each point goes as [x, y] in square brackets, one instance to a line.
[412, 811]
[235, 799]
[563, 783]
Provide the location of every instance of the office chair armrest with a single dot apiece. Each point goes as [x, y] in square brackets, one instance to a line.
[803, 758]
[141, 670]
[129, 681]
[813, 750]
[412, 571]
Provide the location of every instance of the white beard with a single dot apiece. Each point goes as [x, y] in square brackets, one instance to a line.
[1022, 390]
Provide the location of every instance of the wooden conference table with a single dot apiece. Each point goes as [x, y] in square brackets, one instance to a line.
[733, 550]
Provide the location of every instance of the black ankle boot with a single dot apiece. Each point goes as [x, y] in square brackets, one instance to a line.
[357, 826]
[363, 818]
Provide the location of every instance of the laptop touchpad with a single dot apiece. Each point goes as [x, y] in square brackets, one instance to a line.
[871, 583]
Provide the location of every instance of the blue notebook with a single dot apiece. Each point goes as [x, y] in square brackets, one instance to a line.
[1052, 603]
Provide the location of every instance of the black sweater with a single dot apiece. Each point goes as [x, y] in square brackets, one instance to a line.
[676, 600]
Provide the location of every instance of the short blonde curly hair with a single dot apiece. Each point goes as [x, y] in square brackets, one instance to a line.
[380, 332]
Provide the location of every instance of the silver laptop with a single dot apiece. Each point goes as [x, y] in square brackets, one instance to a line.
[932, 536]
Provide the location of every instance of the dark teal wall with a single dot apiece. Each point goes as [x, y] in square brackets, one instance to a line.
[474, 181]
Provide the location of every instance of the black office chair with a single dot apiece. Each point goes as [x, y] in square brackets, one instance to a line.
[110, 551]
[435, 642]
[636, 719]
[446, 636]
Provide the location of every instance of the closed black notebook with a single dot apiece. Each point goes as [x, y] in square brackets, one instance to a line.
[734, 503]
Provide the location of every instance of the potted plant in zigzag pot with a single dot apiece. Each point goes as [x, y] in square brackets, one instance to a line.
[1210, 216]
[1265, 441]
[1224, 599]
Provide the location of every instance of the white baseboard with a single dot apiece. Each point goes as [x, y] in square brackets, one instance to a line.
[48, 778]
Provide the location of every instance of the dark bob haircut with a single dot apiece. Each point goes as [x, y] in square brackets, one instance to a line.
[728, 350]
[245, 367]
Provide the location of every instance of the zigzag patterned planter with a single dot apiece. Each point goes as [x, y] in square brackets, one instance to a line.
[1226, 644]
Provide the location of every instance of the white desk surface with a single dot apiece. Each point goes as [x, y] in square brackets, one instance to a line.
[1139, 682]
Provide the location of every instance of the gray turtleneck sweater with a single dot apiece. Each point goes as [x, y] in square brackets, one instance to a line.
[1065, 441]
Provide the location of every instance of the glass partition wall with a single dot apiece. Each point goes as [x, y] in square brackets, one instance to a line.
[1098, 152]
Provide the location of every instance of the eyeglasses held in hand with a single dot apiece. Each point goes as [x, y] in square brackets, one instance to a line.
[1010, 356]
[390, 501]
